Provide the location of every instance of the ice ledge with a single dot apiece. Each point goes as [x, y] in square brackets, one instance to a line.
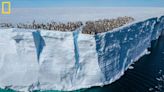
[53, 60]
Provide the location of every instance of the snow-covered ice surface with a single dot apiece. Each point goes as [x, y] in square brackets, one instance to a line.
[66, 14]
[54, 60]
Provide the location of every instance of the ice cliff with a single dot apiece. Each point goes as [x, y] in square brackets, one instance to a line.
[54, 60]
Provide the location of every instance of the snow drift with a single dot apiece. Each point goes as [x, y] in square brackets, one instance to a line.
[53, 60]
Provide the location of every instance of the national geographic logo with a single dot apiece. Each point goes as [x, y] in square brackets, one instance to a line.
[6, 7]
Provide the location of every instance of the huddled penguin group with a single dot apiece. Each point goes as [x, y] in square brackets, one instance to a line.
[94, 27]
[90, 27]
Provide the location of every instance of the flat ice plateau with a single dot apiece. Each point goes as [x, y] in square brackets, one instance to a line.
[65, 14]
[54, 60]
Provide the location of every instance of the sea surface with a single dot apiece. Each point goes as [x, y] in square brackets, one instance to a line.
[146, 75]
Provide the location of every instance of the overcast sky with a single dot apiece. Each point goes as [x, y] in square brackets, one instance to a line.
[85, 3]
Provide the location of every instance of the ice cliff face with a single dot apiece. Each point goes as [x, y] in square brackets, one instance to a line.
[53, 60]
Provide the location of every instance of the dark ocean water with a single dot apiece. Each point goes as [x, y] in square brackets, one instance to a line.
[147, 75]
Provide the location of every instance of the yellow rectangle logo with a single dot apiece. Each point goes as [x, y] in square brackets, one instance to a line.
[6, 10]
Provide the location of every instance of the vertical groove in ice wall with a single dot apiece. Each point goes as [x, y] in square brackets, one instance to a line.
[76, 49]
[70, 61]
[39, 42]
[57, 61]
[18, 59]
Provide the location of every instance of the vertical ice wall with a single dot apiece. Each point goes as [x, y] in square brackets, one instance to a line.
[159, 26]
[18, 59]
[53, 60]
[57, 60]
[89, 72]
[68, 61]
[117, 50]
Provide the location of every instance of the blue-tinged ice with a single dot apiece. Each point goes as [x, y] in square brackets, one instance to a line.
[54, 60]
